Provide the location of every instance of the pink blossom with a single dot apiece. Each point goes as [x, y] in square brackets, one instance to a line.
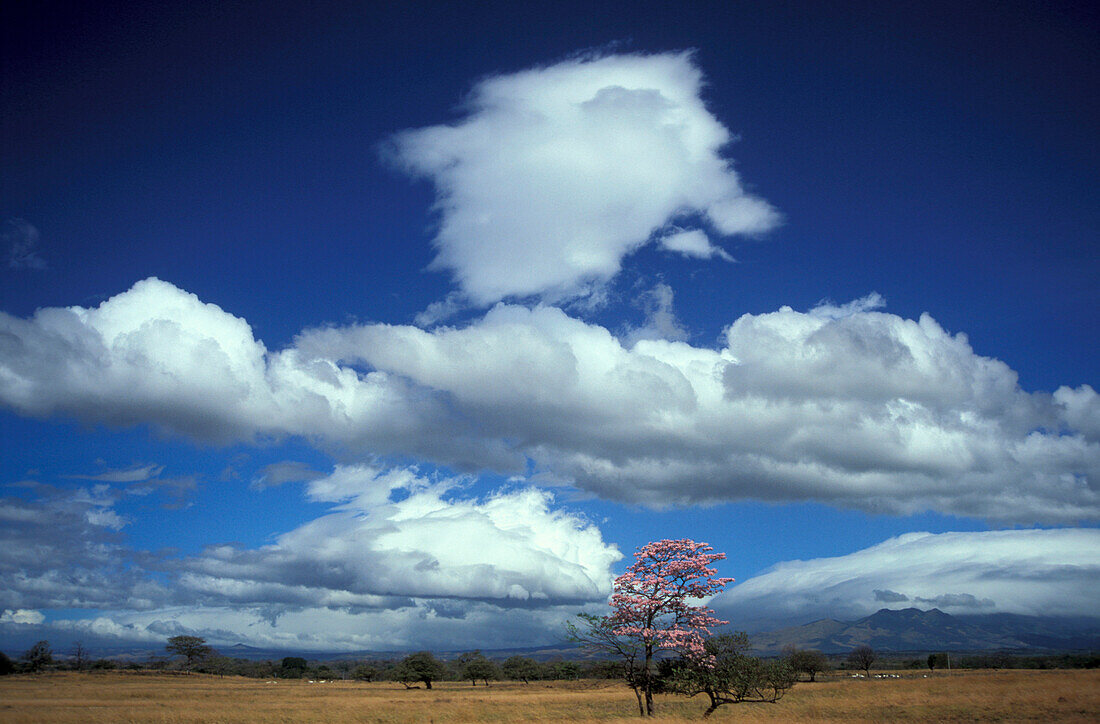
[650, 599]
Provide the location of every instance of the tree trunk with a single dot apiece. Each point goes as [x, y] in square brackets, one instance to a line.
[641, 705]
[715, 702]
[647, 680]
[427, 683]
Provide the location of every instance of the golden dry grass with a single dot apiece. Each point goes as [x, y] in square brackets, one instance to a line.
[122, 697]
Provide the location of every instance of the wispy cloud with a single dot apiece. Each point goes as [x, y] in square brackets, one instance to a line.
[175, 491]
[21, 239]
[132, 474]
[287, 471]
[660, 318]
[62, 549]
[694, 243]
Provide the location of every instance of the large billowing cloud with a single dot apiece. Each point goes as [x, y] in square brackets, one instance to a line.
[399, 561]
[847, 405]
[554, 174]
[157, 355]
[1030, 572]
[510, 549]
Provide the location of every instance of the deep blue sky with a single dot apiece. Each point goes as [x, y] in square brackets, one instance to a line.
[941, 155]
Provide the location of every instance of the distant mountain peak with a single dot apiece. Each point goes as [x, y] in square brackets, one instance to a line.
[914, 629]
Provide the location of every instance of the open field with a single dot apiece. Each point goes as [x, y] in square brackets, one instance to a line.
[117, 697]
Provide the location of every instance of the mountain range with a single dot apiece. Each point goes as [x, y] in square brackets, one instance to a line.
[886, 630]
[912, 629]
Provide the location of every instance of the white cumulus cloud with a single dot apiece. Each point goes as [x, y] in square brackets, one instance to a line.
[844, 404]
[847, 405]
[693, 242]
[25, 616]
[556, 173]
[509, 548]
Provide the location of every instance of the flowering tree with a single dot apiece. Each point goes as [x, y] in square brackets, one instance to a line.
[651, 612]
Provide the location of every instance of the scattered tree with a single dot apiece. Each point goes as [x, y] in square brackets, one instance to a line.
[565, 670]
[6, 665]
[80, 656]
[604, 669]
[939, 660]
[292, 667]
[806, 661]
[862, 657]
[727, 675]
[520, 668]
[191, 647]
[651, 614]
[421, 666]
[366, 672]
[215, 664]
[38, 657]
[475, 666]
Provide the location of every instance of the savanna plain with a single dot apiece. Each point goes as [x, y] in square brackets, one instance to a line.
[118, 697]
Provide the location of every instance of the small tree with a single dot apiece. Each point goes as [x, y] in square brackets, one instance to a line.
[935, 660]
[520, 668]
[566, 670]
[366, 672]
[862, 657]
[6, 665]
[727, 675]
[38, 657]
[80, 656]
[191, 647]
[215, 664]
[806, 661]
[292, 667]
[475, 666]
[421, 666]
[650, 611]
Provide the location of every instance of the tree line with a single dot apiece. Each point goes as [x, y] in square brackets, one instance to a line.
[807, 663]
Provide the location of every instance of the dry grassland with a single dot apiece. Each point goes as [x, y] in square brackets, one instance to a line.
[118, 697]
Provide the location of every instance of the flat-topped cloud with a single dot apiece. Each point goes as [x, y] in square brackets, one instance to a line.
[1028, 572]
